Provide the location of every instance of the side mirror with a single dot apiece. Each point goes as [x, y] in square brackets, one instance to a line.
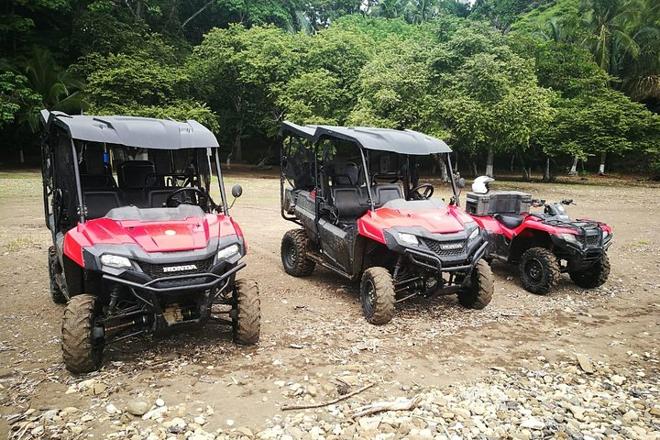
[236, 191]
[460, 183]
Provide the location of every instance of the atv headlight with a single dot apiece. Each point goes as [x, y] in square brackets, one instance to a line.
[408, 238]
[474, 234]
[605, 234]
[116, 261]
[570, 238]
[227, 252]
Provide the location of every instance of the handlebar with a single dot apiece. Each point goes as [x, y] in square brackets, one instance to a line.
[538, 203]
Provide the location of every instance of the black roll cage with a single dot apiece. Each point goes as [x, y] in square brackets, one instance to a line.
[318, 149]
[50, 166]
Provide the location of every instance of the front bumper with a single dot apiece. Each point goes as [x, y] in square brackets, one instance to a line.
[180, 283]
[432, 254]
[169, 272]
[580, 255]
[431, 261]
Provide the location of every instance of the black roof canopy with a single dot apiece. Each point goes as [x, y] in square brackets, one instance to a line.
[164, 134]
[382, 139]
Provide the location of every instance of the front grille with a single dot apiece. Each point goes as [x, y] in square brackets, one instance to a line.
[590, 240]
[437, 247]
[158, 270]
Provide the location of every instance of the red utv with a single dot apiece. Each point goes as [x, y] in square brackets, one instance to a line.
[543, 244]
[139, 245]
[355, 194]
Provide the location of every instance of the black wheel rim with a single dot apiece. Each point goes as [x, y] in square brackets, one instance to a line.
[368, 298]
[290, 255]
[534, 270]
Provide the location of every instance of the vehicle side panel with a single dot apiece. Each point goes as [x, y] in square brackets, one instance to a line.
[337, 244]
[305, 211]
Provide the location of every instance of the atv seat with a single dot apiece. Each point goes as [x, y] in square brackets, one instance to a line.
[350, 203]
[383, 193]
[344, 174]
[510, 221]
[98, 203]
[156, 198]
[132, 176]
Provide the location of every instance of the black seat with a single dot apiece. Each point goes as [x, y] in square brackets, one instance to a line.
[350, 203]
[98, 203]
[509, 220]
[344, 174]
[94, 173]
[132, 176]
[383, 193]
[156, 198]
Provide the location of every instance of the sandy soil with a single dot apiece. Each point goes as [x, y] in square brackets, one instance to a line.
[312, 329]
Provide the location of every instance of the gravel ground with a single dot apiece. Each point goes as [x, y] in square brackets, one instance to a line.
[574, 364]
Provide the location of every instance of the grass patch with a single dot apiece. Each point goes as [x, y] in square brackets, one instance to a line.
[19, 244]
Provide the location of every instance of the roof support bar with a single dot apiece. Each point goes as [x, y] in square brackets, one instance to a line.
[452, 180]
[366, 178]
[76, 172]
[221, 183]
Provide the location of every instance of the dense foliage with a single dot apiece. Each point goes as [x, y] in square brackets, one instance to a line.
[506, 82]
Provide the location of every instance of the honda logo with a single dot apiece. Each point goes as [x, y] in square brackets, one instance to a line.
[451, 246]
[179, 268]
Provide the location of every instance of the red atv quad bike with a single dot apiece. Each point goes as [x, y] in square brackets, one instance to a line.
[139, 245]
[364, 215]
[543, 244]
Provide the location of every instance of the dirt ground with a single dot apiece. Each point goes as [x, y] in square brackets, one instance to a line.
[312, 328]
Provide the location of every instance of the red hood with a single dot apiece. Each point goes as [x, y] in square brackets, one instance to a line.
[152, 236]
[445, 220]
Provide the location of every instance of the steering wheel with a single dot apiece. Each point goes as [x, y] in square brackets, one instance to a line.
[422, 192]
[193, 197]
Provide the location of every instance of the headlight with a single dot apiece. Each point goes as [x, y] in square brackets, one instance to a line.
[227, 252]
[570, 238]
[474, 234]
[408, 238]
[605, 234]
[116, 261]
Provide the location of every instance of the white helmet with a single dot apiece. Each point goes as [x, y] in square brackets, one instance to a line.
[481, 184]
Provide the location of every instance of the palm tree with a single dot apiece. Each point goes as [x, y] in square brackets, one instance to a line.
[640, 71]
[59, 89]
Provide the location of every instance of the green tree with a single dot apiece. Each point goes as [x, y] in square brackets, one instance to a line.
[139, 86]
[240, 73]
[16, 97]
[394, 89]
[601, 123]
[313, 98]
[488, 96]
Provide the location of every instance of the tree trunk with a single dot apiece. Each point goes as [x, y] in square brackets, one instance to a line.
[513, 162]
[21, 156]
[546, 173]
[573, 171]
[489, 163]
[237, 151]
[443, 167]
[138, 9]
[474, 168]
[601, 168]
[526, 172]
